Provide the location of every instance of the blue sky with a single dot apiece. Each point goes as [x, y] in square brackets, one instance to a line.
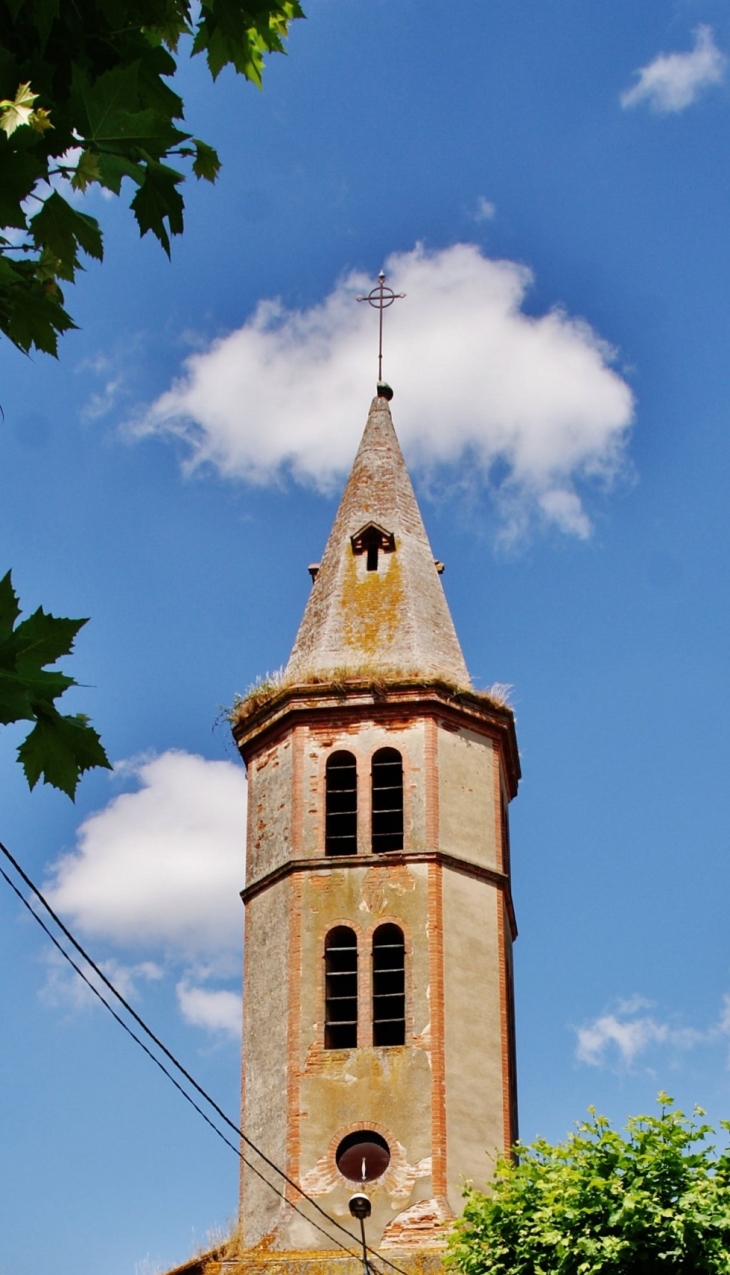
[566, 417]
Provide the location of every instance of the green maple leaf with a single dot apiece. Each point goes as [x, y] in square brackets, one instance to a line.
[157, 200]
[31, 305]
[113, 168]
[59, 748]
[19, 172]
[206, 163]
[61, 230]
[102, 71]
[110, 120]
[228, 32]
[9, 606]
[44, 14]
[87, 171]
[16, 112]
[42, 639]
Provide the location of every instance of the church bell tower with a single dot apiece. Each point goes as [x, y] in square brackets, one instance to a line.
[378, 1045]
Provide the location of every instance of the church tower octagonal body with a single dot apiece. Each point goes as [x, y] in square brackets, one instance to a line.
[378, 1047]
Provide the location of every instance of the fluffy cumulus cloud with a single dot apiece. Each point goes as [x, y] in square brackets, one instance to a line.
[624, 1038]
[163, 866]
[622, 1035]
[673, 81]
[215, 1009]
[158, 872]
[533, 404]
[64, 988]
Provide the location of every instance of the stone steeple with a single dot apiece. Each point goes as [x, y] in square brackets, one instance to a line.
[377, 605]
[378, 1040]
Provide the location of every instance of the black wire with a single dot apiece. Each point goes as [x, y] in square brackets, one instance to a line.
[164, 1069]
[113, 1012]
[148, 1031]
[178, 1065]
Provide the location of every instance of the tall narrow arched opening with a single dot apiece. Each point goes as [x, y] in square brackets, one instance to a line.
[340, 975]
[389, 985]
[387, 799]
[341, 804]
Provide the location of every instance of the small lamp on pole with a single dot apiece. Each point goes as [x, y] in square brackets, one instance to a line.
[360, 1207]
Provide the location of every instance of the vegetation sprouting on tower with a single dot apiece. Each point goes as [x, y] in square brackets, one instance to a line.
[378, 1009]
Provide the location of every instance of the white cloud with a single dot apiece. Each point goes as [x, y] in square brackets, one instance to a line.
[673, 81]
[485, 210]
[624, 1034]
[216, 1010]
[630, 1037]
[161, 868]
[531, 399]
[115, 377]
[64, 988]
[630, 1004]
[101, 403]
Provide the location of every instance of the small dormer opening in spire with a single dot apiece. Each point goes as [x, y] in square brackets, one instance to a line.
[377, 601]
[372, 540]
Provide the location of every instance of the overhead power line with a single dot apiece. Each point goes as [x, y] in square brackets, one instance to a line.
[332, 1238]
[178, 1065]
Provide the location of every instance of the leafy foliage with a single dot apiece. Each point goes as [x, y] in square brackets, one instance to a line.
[21, 110]
[84, 99]
[59, 748]
[601, 1203]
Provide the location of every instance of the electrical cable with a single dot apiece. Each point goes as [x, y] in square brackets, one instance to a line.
[112, 1011]
[178, 1065]
[163, 1068]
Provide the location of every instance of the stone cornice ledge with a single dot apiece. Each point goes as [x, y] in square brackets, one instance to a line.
[275, 713]
[489, 875]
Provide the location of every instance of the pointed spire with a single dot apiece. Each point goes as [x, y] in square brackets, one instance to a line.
[377, 605]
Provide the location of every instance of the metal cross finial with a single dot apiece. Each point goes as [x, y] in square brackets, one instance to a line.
[380, 298]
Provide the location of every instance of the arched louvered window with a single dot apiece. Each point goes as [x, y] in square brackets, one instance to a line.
[341, 804]
[389, 986]
[387, 773]
[340, 972]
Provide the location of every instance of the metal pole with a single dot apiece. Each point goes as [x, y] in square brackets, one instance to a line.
[381, 280]
[360, 1208]
[364, 1245]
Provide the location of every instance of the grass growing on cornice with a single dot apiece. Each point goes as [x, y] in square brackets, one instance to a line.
[366, 678]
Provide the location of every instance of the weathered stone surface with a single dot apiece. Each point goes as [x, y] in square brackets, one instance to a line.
[376, 664]
[265, 1112]
[417, 1226]
[424, 1261]
[442, 1099]
[394, 618]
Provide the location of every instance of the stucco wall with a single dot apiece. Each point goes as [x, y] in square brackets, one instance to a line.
[362, 740]
[473, 1031]
[388, 1089]
[439, 1100]
[466, 770]
[270, 816]
[266, 958]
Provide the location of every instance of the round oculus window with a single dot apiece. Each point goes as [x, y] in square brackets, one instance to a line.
[363, 1156]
